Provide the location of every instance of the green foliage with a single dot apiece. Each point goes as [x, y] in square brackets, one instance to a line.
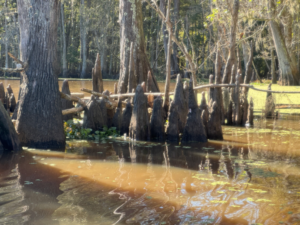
[74, 130]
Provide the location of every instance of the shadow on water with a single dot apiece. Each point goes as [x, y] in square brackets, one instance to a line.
[250, 178]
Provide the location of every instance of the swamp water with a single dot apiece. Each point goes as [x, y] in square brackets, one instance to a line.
[252, 177]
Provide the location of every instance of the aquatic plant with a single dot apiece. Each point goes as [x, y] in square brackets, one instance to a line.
[74, 130]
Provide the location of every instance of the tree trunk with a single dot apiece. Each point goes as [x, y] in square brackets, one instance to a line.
[168, 67]
[273, 64]
[174, 55]
[104, 56]
[187, 45]
[162, 7]
[131, 30]
[289, 74]
[39, 122]
[6, 36]
[231, 57]
[64, 55]
[83, 32]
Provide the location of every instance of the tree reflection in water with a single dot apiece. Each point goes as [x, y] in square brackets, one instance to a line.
[252, 177]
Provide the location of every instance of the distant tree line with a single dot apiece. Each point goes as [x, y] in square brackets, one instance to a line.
[88, 27]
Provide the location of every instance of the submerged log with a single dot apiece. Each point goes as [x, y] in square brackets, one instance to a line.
[126, 117]
[204, 112]
[92, 116]
[65, 103]
[214, 123]
[2, 93]
[117, 119]
[270, 104]
[194, 130]
[179, 100]
[8, 134]
[173, 120]
[139, 124]
[97, 76]
[157, 125]
[250, 113]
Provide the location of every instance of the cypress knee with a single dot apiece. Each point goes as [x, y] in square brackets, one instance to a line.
[204, 111]
[117, 119]
[211, 90]
[15, 114]
[250, 113]
[244, 107]
[8, 134]
[173, 120]
[92, 116]
[269, 105]
[194, 130]
[103, 111]
[97, 76]
[186, 96]
[126, 117]
[2, 93]
[214, 123]
[157, 125]
[110, 112]
[149, 82]
[139, 123]
[66, 104]
[12, 102]
[9, 89]
[179, 100]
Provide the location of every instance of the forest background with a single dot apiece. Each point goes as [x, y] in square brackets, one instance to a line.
[88, 27]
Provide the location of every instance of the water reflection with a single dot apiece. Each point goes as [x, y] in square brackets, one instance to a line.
[250, 178]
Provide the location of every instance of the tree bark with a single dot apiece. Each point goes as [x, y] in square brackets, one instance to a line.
[83, 39]
[131, 30]
[289, 74]
[273, 65]
[175, 68]
[168, 66]
[39, 122]
[232, 57]
[64, 55]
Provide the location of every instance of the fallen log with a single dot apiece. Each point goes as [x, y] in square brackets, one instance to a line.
[72, 98]
[72, 110]
[155, 94]
[77, 94]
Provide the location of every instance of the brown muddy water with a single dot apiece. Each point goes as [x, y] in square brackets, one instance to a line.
[252, 177]
[76, 85]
